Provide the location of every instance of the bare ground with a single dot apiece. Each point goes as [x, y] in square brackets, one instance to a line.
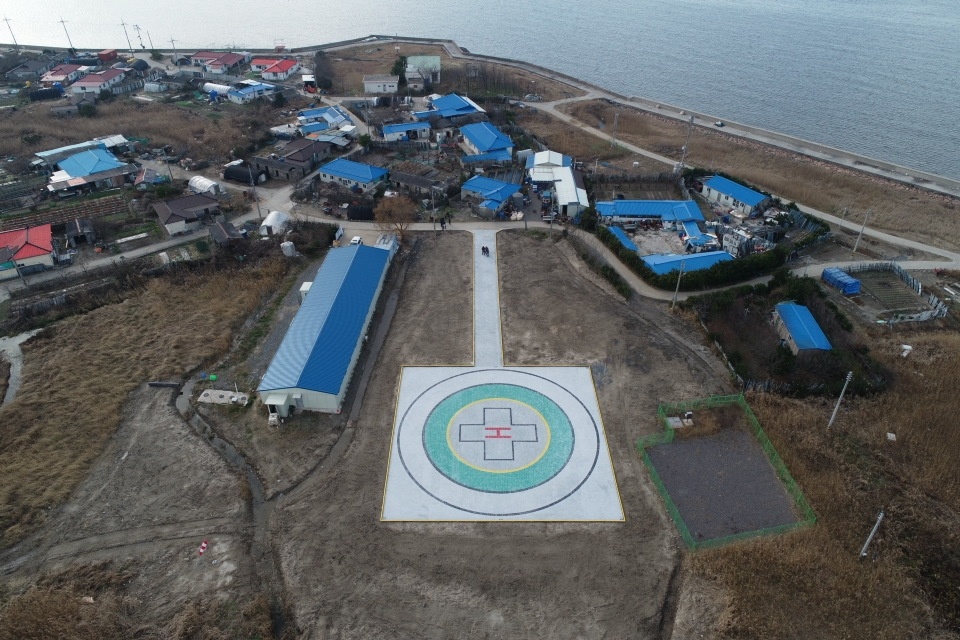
[351, 576]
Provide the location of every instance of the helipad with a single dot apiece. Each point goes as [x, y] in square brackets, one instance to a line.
[498, 443]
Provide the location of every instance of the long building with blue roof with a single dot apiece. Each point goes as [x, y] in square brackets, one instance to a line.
[662, 264]
[799, 329]
[406, 131]
[313, 365]
[632, 210]
[483, 137]
[352, 174]
[728, 193]
[624, 239]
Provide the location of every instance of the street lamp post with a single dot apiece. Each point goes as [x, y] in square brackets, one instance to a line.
[677, 291]
[840, 399]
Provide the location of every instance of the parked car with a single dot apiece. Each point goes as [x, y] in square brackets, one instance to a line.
[718, 123]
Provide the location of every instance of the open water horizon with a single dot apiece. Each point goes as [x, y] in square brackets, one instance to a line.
[875, 77]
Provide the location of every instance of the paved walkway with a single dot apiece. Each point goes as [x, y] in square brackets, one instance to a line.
[487, 341]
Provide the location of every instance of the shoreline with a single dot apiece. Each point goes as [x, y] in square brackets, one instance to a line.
[865, 164]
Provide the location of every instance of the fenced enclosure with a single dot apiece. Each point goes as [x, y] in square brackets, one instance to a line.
[694, 505]
[905, 304]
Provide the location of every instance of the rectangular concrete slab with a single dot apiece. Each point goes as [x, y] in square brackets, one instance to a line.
[499, 444]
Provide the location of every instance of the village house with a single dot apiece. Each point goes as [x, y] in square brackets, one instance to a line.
[294, 161]
[185, 214]
[89, 170]
[280, 71]
[492, 194]
[449, 106]
[483, 142]
[27, 250]
[556, 169]
[31, 69]
[728, 193]
[427, 67]
[354, 175]
[249, 90]
[64, 74]
[406, 131]
[798, 329]
[380, 84]
[97, 82]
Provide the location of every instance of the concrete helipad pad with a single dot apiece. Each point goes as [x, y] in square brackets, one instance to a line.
[499, 444]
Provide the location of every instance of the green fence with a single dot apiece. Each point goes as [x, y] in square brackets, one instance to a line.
[807, 516]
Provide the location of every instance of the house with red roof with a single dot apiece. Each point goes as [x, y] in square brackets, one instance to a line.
[64, 74]
[29, 249]
[97, 82]
[261, 63]
[282, 70]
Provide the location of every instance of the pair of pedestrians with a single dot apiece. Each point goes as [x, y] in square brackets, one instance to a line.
[485, 251]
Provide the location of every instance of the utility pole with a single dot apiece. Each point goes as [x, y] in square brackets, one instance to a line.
[130, 46]
[255, 197]
[152, 48]
[175, 55]
[876, 527]
[860, 235]
[686, 147]
[677, 291]
[840, 399]
[613, 137]
[64, 23]
[16, 46]
[139, 37]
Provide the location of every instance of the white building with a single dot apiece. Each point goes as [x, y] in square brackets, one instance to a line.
[380, 84]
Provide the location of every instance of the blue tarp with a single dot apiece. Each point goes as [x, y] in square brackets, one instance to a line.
[841, 281]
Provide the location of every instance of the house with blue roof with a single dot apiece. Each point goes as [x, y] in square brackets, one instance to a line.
[91, 169]
[89, 162]
[728, 193]
[493, 194]
[353, 175]
[662, 264]
[334, 116]
[799, 329]
[449, 106]
[312, 367]
[483, 137]
[406, 131]
[250, 90]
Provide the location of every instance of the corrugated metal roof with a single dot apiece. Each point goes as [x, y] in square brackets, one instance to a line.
[316, 351]
[734, 190]
[665, 263]
[450, 105]
[624, 239]
[666, 210]
[490, 189]
[89, 162]
[486, 137]
[353, 170]
[405, 126]
[28, 243]
[803, 328]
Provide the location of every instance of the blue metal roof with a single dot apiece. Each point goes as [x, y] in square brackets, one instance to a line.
[736, 191]
[81, 146]
[351, 170]
[666, 210]
[314, 127]
[624, 239]
[405, 126]
[665, 263]
[490, 189]
[333, 115]
[486, 137]
[448, 106]
[803, 328]
[88, 162]
[316, 352]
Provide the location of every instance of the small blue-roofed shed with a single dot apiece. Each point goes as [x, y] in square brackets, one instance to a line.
[312, 367]
[662, 264]
[351, 174]
[406, 131]
[798, 328]
[483, 137]
[624, 239]
[728, 193]
[449, 106]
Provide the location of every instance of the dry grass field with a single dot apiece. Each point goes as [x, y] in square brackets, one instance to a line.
[900, 209]
[788, 586]
[198, 133]
[77, 376]
[348, 66]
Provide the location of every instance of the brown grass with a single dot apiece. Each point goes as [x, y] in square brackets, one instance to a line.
[569, 140]
[189, 131]
[77, 376]
[812, 584]
[348, 67]
[901, 209]
[4, 377]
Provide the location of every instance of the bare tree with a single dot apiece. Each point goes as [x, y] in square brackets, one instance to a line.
[395, 214]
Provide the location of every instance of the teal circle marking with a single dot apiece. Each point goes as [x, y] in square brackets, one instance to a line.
[448, 463]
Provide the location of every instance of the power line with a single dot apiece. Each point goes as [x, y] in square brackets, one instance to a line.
[17, 46]
[139, 37]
